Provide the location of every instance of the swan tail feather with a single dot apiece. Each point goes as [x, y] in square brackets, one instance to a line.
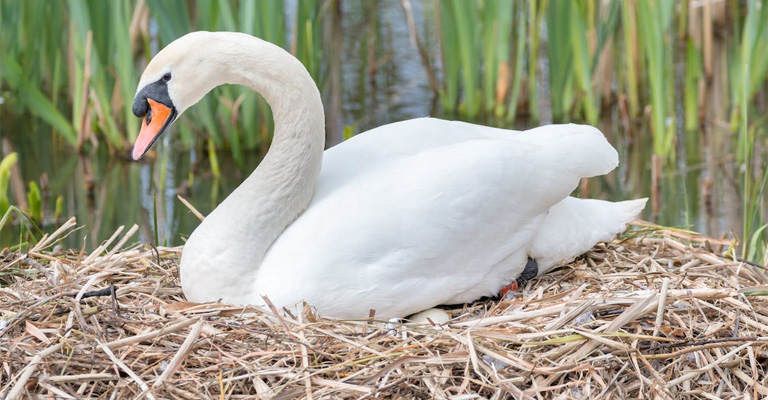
[574, 225]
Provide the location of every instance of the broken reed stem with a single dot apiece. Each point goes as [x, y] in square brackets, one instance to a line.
[82, 377]
[709, 367]
[127, 370]
[181, 354]
[191, 208]
[47, 240]
[662, 304]
[150, 335]
[695, 349]
[30, 369]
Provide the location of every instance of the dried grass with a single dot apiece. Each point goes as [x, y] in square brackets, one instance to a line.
[654, 316]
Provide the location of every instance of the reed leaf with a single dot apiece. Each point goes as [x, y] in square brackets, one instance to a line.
[465, 20]
[492, 17]
[85, 18]
[35, 200]
[535, 18]
[693, 74]
[5, 176]
[29, 97]
[751, 52]
[628, 18]
[125, 71]
[653, 17]
[449, 94]
[756, 245]
[561, 53]
[582, 65]
[520, 56]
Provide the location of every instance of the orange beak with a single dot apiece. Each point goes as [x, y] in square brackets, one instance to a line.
[154, 123]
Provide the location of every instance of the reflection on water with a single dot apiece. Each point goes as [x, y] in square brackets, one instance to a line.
[106, 192]
[375, 76]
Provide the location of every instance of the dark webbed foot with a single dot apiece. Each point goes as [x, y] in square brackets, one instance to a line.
[529, 272]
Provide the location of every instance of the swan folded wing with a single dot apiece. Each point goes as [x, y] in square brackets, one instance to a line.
[580, 147]
[412, 227]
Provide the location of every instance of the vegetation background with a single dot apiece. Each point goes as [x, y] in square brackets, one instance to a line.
[680, 87]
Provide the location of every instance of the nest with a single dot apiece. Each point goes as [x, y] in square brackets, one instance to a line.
[656, 314]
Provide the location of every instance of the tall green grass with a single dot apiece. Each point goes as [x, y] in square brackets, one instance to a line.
[33, 66]
[490, 54]
[75, 64]
[235, 117]
[660, 67]
[485, 46]
[480, 39]
[5, 176]
[753, 57]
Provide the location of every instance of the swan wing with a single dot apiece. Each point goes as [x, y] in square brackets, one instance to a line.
[429, 210]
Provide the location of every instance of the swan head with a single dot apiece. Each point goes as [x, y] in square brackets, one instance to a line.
[176, 78]
[192, 65]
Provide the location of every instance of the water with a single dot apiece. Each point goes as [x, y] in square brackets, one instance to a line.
[701, 191]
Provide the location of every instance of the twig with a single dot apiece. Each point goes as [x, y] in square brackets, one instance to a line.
[150, 335]
[30, 369]
[177, 359]
[709, 367]
[82, 377]
[125, 369]
[191, 208]
[47, 240]
[662, 305]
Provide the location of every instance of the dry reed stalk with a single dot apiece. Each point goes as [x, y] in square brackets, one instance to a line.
[416, 42]
[653, 315]
[191, 208]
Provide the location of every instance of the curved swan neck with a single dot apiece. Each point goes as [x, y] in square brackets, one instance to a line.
[283, 184]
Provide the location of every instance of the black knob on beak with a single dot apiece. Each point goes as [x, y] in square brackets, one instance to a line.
[140, 106]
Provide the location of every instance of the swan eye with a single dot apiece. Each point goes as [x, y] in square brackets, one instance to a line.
[167, 77]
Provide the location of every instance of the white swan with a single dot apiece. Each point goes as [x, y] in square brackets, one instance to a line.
[398, 219]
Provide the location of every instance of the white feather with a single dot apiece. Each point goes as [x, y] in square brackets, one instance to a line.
[398, 219]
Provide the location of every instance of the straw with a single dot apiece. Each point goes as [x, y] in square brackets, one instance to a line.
[657, 314]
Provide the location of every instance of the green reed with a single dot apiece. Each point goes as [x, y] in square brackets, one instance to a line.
[29, 232]
[653, 44]
[582, 62]
[465, 20]
[753, 59]
[535, 21]
[483, 48]
[5, 176]
[628, 19]
[560, 54]
[449, 91]
[75, 65]
[517, 72]
[478, 37]
[654, 25]
[35, 201]
[32, 76]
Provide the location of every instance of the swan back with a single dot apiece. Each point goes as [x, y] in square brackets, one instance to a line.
[439, 208]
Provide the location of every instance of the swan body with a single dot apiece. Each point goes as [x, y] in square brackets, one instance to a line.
[398, 219]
